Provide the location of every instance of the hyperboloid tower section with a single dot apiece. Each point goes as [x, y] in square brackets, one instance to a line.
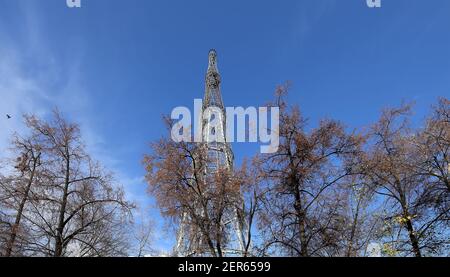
[219, 159]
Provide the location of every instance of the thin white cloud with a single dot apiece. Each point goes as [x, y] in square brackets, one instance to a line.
[19, 94]
[33, 80]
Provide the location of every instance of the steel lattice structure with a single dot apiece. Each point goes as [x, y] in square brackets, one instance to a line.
[220, 156]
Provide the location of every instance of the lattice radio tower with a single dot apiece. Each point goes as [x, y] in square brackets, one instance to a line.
[220, 157]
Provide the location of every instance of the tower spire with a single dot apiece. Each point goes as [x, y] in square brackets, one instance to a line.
[212, 65]
[213, 97]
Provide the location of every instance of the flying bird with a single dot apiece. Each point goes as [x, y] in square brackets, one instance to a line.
[8, 116]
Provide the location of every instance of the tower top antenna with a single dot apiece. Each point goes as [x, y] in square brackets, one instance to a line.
[212, 64]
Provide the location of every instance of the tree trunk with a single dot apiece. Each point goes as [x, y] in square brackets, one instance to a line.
[413, 238]
[412, 234]
[15, 228]
[301, 216]
[59, 242]
[350, 250]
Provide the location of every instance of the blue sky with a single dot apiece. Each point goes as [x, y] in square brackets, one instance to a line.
[116, 66]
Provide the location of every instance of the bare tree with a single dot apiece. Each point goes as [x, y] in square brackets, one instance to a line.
[432, 146]
[16, 189]
[5, 219]
[27, 165]
[392, 169]
[70, 206]
[176, 175]
[305, 202]
[143, 235]
[252, 195]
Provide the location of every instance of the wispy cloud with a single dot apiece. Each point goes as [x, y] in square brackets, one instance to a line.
[35, 80]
